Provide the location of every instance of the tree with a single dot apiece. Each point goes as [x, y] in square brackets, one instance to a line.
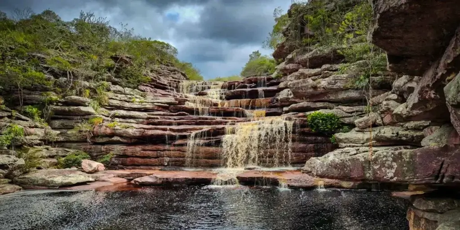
[36, 49]
[276, 36]
[258, 65]
[256, 54]
[230, 78]
[191, 72]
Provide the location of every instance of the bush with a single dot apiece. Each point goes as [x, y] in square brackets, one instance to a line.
[72, 160]
[31, 158]
[326, 123]
[11, 135]
[106, 159]
[34, 113]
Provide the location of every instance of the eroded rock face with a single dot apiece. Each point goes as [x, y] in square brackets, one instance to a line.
[316, 58]
[452, 92]
[389, 164]
[434, 211]
[410, 33]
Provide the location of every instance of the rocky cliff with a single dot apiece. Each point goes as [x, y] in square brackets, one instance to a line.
[410, 136]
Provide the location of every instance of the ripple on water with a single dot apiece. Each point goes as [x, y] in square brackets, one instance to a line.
[202, 208]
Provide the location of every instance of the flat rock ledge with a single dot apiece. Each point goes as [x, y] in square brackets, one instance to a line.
[53, 178]
[9, 188]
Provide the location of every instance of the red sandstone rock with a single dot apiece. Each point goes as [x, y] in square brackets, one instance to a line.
[183, 178]
[409, 31]
[437, 165]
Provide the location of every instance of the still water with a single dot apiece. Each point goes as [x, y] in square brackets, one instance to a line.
[203, 208]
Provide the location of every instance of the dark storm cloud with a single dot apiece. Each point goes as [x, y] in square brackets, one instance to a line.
[220, 31]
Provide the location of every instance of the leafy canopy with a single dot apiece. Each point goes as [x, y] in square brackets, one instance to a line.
[230, 78]
[258, 65]
[37, 49]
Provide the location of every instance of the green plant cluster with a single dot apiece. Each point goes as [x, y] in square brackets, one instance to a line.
[72, 160]
[106, 159]
[75, 159]
[31, 157]
[34, 47]
[11, 135]
[258, 65]
[325, 123]
[230, 78]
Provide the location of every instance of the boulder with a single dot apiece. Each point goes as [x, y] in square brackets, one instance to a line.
[89, 166]
[437, 165]
[446, 135]
[434, 211]
[9, 188]
[53, 178]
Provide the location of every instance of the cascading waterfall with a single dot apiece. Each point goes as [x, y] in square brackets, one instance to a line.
[266, 142]
[193, 146]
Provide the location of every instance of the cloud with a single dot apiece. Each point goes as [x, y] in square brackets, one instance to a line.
[217, 36]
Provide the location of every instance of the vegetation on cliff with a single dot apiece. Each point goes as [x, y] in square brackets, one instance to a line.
[258, 65]
[323, 24]
[38, 49]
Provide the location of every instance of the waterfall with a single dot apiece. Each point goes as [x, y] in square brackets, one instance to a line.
[265, 142]
[193, 146]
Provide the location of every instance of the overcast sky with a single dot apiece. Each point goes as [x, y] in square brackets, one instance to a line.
[217, 36]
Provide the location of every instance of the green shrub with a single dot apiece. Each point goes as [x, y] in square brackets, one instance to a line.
[96, 121]
[333, 140]
[72, 160]
[34, 113]
[113, 124]
[11, 135]
[106, 159]
[326, 123]
[31, 158]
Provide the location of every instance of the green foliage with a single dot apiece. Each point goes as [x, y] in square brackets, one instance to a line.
[191, 72]
[276, 36]
[357, 21]
[231, 78]
[258, 65]
[106, 159]
[112, 124]
[79, 50]
[345, 129]
[333, 140]
[96, 121]
[95, 105]
[33, 112]
[322, 23]
[31, 157]
[326, 123]
[72, 160]
[11, 135]
[101, 93]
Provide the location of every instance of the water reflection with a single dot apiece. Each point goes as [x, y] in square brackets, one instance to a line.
[202, 208]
